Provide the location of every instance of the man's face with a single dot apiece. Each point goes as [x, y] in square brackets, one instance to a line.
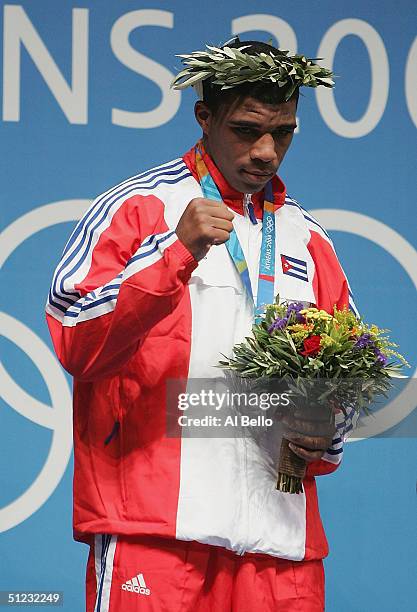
[248, 140]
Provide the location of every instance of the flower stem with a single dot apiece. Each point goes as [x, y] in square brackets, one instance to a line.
[291, 470]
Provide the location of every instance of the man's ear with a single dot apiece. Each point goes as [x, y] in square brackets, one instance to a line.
[203, 115]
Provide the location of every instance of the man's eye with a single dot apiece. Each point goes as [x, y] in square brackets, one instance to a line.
[245, 130]
[282, 133]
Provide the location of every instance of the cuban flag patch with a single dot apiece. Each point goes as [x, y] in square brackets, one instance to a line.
[294, 267]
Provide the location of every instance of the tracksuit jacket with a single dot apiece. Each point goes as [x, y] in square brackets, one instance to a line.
[130, 308]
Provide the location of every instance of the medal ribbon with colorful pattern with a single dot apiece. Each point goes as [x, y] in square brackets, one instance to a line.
[267, 260]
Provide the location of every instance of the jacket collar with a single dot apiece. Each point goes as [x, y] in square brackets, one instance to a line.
[231, 197]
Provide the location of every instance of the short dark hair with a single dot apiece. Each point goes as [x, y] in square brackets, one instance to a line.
[266, 92]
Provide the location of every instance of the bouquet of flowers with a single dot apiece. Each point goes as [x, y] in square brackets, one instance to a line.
[353, 362]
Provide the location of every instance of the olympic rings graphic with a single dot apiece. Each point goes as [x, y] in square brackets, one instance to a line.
[269, 224]
[59, 418]
[356, 223]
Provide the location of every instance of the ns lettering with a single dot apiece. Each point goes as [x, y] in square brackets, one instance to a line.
[72, 97]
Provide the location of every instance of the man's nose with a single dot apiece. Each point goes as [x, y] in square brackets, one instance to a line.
[264, 149]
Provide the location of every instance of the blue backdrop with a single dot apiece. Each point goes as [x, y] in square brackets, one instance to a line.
[85, 104]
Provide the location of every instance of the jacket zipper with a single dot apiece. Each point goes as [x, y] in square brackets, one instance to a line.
[244, 546]
[248, 208]
[246, 200]
[241, 549]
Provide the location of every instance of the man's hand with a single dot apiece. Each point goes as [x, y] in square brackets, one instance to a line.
[309, 439]
[202, 224]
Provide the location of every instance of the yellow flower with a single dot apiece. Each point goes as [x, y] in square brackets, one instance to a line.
[327, 341]
[307, 311]
[300, 327]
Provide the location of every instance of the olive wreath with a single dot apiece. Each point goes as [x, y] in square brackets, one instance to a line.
[229, 67]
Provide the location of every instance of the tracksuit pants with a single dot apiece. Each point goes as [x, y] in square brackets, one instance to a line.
[152, 574]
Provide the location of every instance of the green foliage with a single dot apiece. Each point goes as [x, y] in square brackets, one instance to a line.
[356, 361]
[229, 67]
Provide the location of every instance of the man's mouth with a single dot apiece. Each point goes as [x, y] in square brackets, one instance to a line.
[257, 175]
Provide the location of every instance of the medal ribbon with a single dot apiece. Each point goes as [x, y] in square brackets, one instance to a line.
[267, 260]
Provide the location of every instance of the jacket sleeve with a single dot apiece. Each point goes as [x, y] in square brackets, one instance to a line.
[331, 288]
[120, 274]
[332, 458]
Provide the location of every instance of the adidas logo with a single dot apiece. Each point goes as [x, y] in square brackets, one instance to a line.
[136, 584]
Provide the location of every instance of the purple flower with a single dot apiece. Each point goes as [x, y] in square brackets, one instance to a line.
[363, 341]
[278, 324]
[381, 359]
[295, 308]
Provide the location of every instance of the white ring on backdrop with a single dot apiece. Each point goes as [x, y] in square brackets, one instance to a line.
[38, 219]
[58, 418]
[411, 82]
[339, 220]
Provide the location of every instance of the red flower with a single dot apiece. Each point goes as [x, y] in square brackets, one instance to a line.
[311, 346]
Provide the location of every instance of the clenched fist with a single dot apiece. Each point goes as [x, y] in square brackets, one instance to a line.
[202, 224]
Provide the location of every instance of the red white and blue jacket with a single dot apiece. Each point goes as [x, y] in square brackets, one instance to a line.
[129, 308]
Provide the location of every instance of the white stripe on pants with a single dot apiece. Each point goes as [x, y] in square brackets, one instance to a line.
[104, 549]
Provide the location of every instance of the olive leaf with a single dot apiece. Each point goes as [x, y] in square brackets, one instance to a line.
[229, 67]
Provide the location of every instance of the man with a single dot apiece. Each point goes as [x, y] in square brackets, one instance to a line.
[147, 291]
